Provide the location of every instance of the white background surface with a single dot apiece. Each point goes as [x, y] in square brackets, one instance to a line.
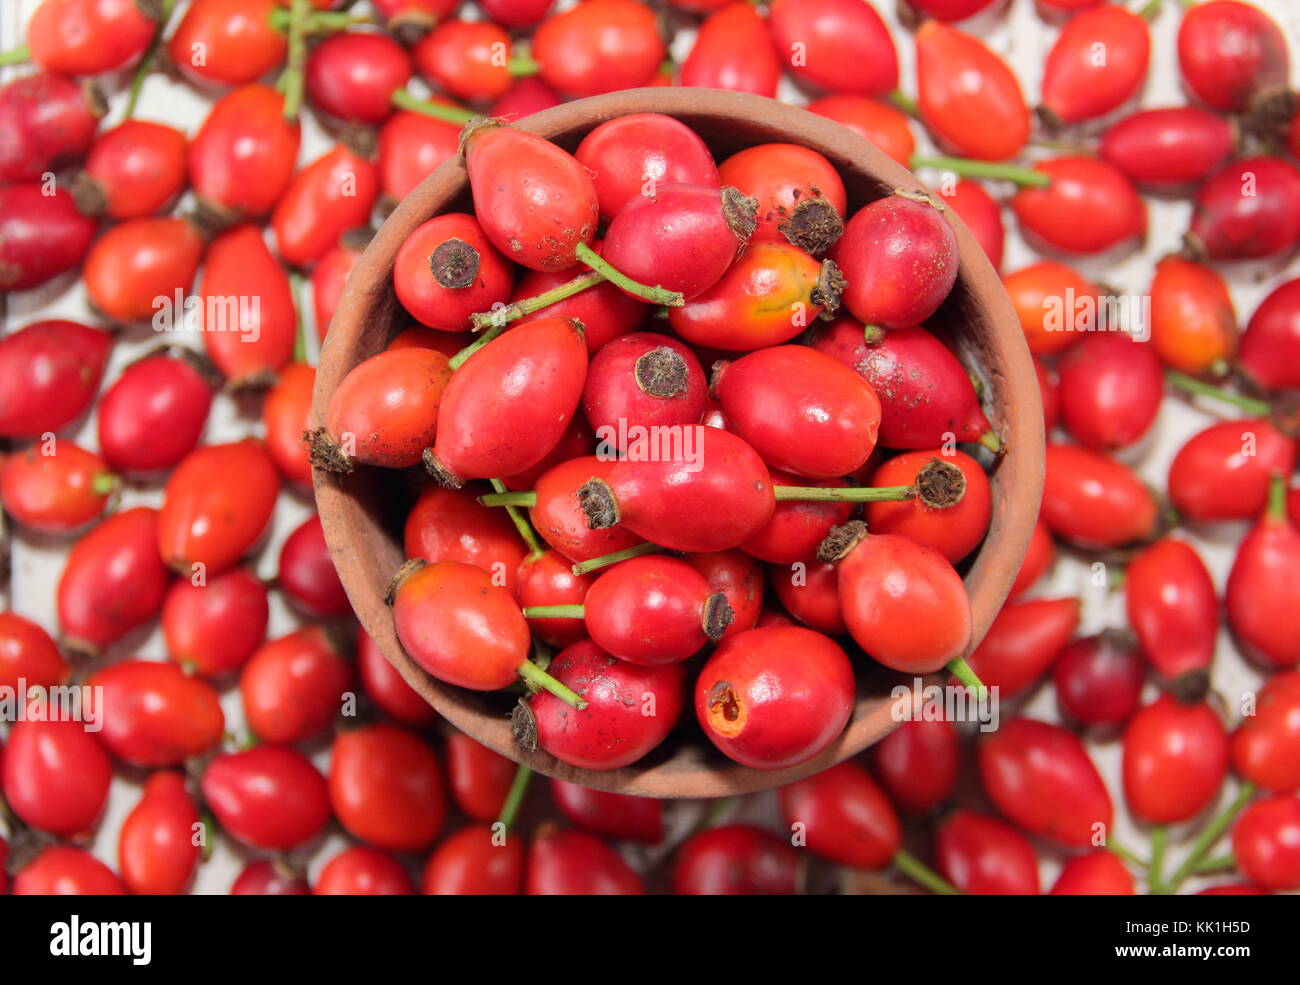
[1015, 30]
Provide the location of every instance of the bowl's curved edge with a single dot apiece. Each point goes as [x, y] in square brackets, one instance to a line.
[365, 565]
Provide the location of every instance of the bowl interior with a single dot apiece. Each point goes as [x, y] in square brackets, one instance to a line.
[363, 512]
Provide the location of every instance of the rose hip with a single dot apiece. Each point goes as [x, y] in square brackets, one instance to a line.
[632, 154]
[1175, 759]
[955, 529]
[1094, 501]
[917, 763]
[1248, 209]
[681, 238]
[1193, 323]
[472, 862]
[386, 788]
[1098, 873]
[446, 270]
[561, 521]
[112, 582]
[1266, 745]
[610, 815]
[654, 610]
[458, 625]
[362, 871]
[1168, 147]
[135, 169]
[968, 96]
[1023, 640]
[801, 410]
[844, 45]
[1110, 390]
[451, 525]
[156, 849]
[734, 50]
[269, 797]
[216, 506]
[154, 714]
[768, 295]
[306, 573]
[55, 489]
[925, 394]
[983, 856]
[1174, 612]
[212, 627]
[1264, 842]
[384, 412]
[243, 156]
[49, 121]
[236, 38]
[56, 775]
[675, 503]
[846, 817]
[154, 413]
[899, 259]
[570, 863]
[1077, 85]
[774, 697]
[351, 77]
[629, 709]
[644, 380]
[626, 55]
[1263, 590]
[507, 168]
[87, 37]
[61, 870]
[41, 235]
[510, 403]
[27, 652]
[735, 860]
[410, 146]
[1270, 348]
[1230, 53]
[328, 197]
[1223, 472]
[49, 373]
[286, 415]
[1099, 680]
[1088, 207]
[293, 687]
[386, 687]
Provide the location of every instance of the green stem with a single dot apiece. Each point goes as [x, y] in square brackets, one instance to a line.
[458, 360]
[922, 874]
[320, 21]
[968, 168]
[104, 483]
[655, 295]
[1122, 853]
[992, 442]
[299, 338]
[438, 111]
[1211, 865]
[522, 65]
[1208, 836]
[1149, 10]
[1277, 496]
[553, 611]
[500, 316]
[595, 563]
[716, 811]
[503, 498]
[841, 494]
[536, 679]
[146, 63]
[515, 798]
[902, 101]
[963, 671]
[521, 523]
[15, 56]
[292, 80]
[1190, 384]
[1159, 836]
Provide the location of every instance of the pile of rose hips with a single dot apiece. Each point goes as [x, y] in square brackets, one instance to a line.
[79, 194]
[595, 421]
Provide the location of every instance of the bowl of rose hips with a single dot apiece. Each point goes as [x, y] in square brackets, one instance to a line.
[660, 435]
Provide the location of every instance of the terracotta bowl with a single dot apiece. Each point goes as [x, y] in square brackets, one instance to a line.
[363, 512]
